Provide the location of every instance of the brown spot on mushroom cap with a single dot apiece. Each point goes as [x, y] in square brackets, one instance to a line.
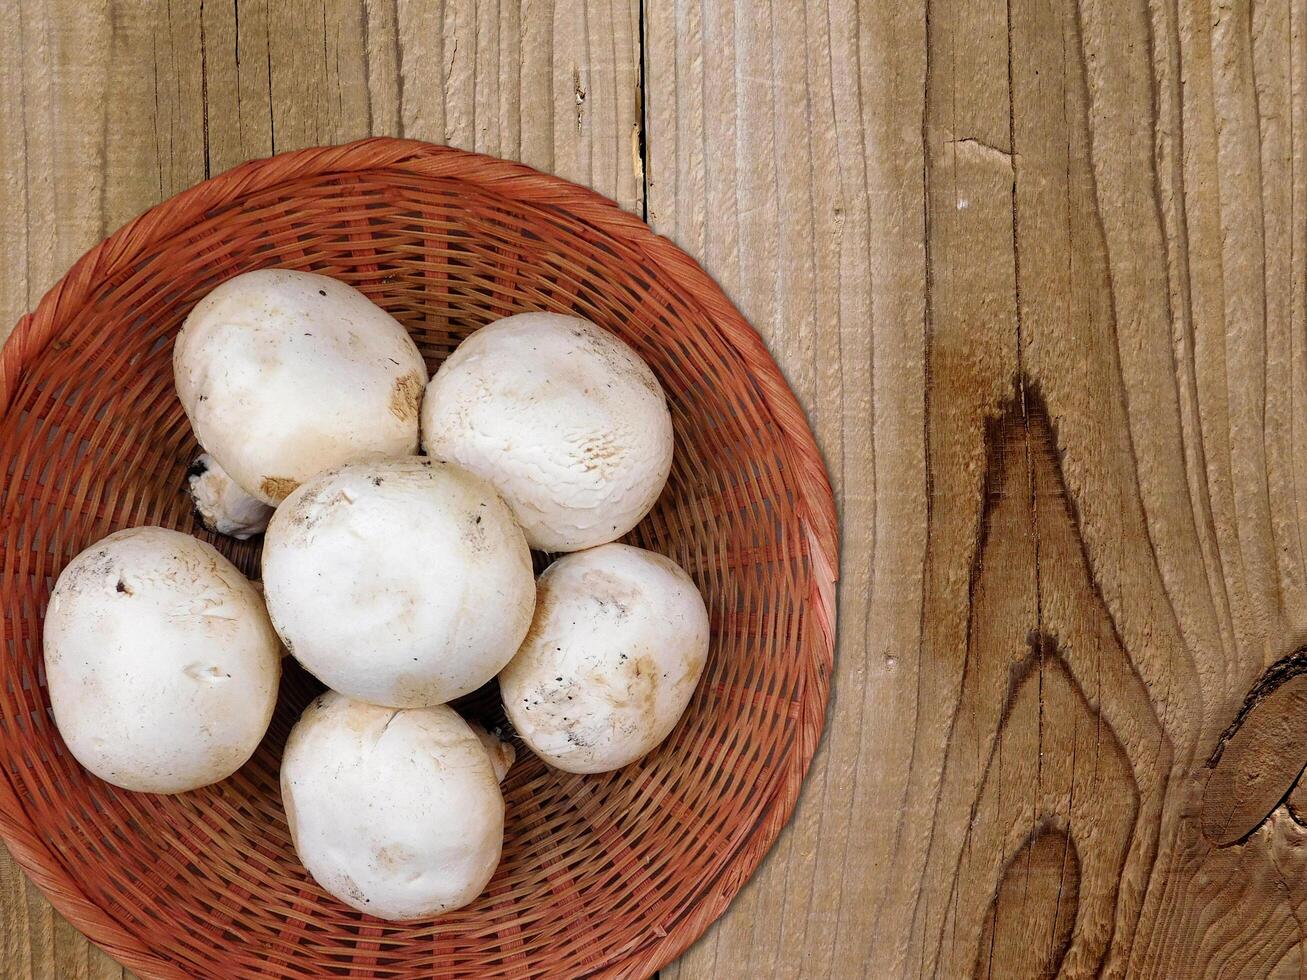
[406, 397]
[278, 487]
[610, 589]
[392, 857]
[352, 890]
[359, 718]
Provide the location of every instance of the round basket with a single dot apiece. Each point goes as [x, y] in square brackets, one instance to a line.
[606, 875]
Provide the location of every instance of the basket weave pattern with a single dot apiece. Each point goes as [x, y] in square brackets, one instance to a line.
[611, 875]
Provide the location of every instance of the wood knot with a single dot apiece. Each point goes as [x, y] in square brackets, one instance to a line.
[1259, 758]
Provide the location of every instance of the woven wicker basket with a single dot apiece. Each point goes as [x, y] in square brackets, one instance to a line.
[610, 875]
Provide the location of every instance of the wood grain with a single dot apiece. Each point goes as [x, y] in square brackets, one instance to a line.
[1035, 267]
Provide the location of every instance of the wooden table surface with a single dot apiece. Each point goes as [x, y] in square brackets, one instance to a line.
[1037, 269]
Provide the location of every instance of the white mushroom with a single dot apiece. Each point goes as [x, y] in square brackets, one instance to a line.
[285, 374]
[222, 506]
[619, 639]
[396, 812]
[161, 663]
[563, 418]
[403, 582]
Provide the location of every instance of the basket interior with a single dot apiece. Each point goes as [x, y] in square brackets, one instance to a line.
[594, 869]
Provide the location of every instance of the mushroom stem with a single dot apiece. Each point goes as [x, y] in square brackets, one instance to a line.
[502, 754]
[222, 506]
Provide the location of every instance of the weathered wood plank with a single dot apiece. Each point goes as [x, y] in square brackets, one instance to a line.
[1068, 464]
[782, 153]
[110, 108]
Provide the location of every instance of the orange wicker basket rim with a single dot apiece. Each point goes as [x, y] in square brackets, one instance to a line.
[814, 505]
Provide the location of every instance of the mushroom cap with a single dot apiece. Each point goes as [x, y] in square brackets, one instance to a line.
[396, 812]
[284, 374]
[563, 418]
[223, 507]
[619, 639]
[161, 663]
[403, 582]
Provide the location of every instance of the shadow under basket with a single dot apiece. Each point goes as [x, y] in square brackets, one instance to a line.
[611, 875]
